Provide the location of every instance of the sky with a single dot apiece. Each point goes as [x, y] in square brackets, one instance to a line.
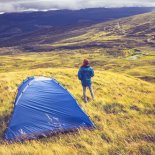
[44, 5]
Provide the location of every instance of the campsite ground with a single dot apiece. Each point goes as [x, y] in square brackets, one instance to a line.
[123, 110]
[124, 106]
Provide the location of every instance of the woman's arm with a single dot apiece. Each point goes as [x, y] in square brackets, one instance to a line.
[92, 72]
[79, 74]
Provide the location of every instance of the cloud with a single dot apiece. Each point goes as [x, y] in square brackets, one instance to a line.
[43, 5]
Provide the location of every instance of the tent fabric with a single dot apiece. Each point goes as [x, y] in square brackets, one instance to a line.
[43, 106]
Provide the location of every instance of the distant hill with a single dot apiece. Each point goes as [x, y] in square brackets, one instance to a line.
[116, 35]
[129, 32]
[18, 29]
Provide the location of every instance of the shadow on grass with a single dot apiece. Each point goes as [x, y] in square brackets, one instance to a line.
[113, 108]
[4, 119]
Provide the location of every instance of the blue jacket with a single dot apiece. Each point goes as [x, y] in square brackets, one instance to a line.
[85, 74]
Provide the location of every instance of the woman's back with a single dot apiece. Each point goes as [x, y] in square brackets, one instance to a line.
[85, 74]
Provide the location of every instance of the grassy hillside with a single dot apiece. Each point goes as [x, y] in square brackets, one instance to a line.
[124, 106]
[130, 32]
[129, 61]
[136, 31]
[123, 112]
[32, 27]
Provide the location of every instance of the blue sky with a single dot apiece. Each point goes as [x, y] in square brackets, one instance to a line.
[35, 5]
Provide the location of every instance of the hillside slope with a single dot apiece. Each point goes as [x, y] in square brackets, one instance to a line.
[123, 112]
[23, 28]
[122, 55]
[130, 32]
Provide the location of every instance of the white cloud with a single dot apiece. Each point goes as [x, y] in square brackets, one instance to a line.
[35, 5]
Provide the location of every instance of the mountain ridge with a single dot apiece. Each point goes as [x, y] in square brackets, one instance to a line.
[128, 32]
[16, 27]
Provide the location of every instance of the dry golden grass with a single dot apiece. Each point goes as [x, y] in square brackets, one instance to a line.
[123, 112]
[124, 106]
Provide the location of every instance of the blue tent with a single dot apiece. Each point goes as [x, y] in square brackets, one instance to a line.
[43, 107]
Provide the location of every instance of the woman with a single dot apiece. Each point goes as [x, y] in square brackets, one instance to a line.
[85, 74]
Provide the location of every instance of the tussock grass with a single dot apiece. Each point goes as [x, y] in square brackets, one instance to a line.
[124, 106]
[119, 113]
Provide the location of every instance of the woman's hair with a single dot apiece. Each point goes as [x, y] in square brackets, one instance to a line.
[85, 62]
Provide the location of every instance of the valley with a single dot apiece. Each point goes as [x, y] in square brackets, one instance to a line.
[122, 53]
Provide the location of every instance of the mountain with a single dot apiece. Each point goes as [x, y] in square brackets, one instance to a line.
[121, 52]
[116, 35]
[24, 28]
[129, 32]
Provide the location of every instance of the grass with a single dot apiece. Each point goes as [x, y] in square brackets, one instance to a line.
[124, 85]
[101, 59]
[123, 110]
[90, 36]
